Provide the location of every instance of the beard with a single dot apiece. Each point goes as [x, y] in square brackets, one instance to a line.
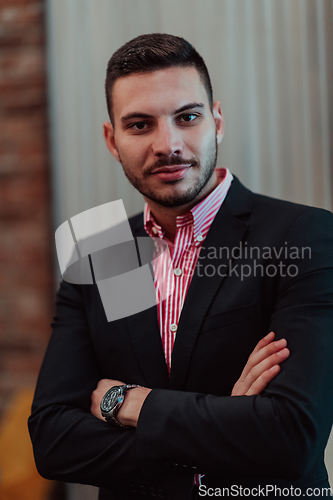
[175, 199]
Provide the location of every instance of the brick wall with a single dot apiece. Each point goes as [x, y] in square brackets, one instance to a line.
[26, 281]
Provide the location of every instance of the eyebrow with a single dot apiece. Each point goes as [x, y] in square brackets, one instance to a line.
[136, 114]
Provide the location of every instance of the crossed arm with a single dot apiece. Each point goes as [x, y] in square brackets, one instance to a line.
[285, 429]
[262, 366]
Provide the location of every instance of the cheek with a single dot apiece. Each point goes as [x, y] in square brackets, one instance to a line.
[133, 151]
[204, 143]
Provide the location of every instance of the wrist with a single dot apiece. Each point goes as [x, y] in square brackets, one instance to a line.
[129, 412]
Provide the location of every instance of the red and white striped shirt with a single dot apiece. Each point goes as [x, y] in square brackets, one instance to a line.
[173, 271]
[172, 278]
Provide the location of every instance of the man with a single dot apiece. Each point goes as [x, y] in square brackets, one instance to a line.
[243, 265]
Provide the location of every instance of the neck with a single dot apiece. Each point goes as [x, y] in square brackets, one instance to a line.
[166, 217]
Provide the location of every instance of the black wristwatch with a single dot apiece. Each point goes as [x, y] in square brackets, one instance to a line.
[112, 401]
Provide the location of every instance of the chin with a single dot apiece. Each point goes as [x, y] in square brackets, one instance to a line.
[175, 200]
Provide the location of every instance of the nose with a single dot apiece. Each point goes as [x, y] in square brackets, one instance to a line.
[167, 140]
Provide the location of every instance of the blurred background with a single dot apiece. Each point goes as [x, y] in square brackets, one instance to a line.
[271, 66]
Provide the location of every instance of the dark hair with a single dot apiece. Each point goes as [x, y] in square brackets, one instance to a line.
[150, 53]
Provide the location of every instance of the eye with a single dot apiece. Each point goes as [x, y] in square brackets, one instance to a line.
[138, 125]
[187, 118]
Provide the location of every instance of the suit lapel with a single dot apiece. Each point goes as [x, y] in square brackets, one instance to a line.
[145, 334]
[227, 230]
[147, 344]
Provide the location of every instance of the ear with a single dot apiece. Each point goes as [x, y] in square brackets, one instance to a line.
[219, 121]
[108, 131]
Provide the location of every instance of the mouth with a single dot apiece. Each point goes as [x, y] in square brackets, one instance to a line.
[172, 173]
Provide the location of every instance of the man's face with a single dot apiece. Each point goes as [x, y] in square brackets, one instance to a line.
[165, 135]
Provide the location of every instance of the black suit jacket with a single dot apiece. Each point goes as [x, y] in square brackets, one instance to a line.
[189, 422]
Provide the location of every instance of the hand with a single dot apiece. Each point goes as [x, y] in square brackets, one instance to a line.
[262, 366]
[131, 407]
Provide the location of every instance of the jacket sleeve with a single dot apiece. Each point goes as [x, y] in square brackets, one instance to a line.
[69, 443]
[283, 431]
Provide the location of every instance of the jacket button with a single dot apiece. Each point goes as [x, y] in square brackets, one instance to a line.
[134, 488]
[143, 490]
[162, 494]
[153, 491]
[166, 464]
[194, 468]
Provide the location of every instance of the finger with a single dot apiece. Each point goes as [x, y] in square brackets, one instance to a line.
[263, 342]
[261, 383]
[267, 363]
[264, 353]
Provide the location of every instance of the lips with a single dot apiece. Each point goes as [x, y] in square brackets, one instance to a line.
[172, 173]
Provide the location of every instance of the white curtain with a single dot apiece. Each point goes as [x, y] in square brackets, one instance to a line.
[271, 67]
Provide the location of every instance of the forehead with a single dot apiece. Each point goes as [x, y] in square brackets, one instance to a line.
[158, 92]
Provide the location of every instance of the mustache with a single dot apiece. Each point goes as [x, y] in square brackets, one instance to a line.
[170, 162]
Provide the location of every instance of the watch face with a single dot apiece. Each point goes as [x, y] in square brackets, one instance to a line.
[111, 399]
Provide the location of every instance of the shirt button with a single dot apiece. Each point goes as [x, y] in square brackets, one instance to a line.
[155, 230]
[177, 271]
[200, 237]
[143, 490]
[173, 327]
